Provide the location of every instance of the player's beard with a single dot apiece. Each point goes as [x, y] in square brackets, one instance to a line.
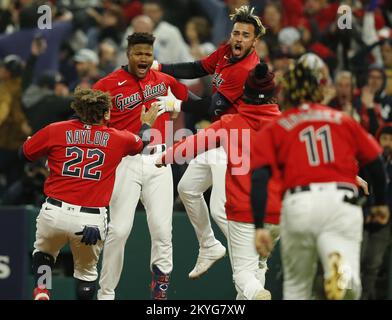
[235, 59]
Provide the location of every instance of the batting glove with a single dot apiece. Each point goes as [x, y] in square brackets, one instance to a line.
[90, 234]
[168, 103]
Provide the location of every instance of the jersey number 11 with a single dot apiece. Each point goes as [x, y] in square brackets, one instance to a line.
[311, 136]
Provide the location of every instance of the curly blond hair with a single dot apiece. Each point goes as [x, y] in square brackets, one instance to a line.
[245, 14]
[300, 85]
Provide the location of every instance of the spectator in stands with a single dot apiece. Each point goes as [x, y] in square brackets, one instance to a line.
[198, 34]
[290, 42]
[376, 236]
[107, 53]
[130, 8]
[109, 25]
[15, 77]
[272, 19]
[169, 46]
[29, 188]
[47, 101]
[86, 64]
[387, 11]
[320, 16]
[218, 12]
[376, 81]
[14, 127]
[358, 105]
[386, 52]
[262, 50]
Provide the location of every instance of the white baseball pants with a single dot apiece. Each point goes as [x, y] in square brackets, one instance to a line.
[249, 268]
[315, 224]
[57, 226]
[206, 169]
[138, 177]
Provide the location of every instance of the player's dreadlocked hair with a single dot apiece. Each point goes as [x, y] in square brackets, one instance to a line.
[140, 38]
[245, 14]
[90, 105]
[300, 85]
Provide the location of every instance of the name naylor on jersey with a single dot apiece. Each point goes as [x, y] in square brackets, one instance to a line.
[133, 100]
[84, 137]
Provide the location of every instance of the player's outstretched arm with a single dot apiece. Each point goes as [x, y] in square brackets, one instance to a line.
[212, 106]
[185, 70]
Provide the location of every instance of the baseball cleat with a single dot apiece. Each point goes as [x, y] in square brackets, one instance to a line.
[41, 294]
[263, 294]
[335, 286]
[207, 257]
[159, 284]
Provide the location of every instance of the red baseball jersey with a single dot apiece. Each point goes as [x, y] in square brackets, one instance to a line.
[82, 160]
[229, 78]
[130, 93]
[236, 133]
[314, 143]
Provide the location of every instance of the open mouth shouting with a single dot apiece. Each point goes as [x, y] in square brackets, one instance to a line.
[237, 50]
[141, 69]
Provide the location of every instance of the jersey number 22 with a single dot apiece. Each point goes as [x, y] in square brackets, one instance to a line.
[88, 171]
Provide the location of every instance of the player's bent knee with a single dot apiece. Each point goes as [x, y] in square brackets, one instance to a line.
[41, 259]
[120, 233]
[185, 190]
[85, 290]
[218, 214]
[182, 187]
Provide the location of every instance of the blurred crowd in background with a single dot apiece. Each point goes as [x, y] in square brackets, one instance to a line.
[41, 67]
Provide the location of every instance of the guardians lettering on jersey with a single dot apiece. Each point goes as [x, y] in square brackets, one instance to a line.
[129, 102]
[293, 120]
[217, 80]
[134, 99]
[83, 137]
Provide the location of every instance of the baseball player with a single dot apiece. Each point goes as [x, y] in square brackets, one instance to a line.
[131, 87]
[229, 65]
[317, 150]
[239, 129]
[82, 156]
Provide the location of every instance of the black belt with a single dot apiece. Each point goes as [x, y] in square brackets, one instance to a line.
[59, 203]
[307, 188]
